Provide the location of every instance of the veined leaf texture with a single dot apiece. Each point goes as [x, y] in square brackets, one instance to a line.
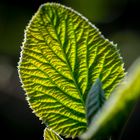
[51, 135]
[62, 56]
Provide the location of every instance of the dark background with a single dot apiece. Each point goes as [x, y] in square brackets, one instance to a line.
[119, 20]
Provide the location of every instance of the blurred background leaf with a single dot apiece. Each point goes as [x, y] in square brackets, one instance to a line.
[118, 21]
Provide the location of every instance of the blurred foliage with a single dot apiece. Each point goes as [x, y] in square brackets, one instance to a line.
[98, 11]
[129, 43]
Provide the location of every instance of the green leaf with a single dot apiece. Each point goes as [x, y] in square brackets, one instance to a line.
[51, 135]
[116, 110]
[62, 56]
[95, 100]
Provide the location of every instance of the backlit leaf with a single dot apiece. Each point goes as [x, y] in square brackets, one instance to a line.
[62, 56]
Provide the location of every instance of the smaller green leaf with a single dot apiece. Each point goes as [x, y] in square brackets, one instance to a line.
[117, 108]
[49, 134]
[95, 99]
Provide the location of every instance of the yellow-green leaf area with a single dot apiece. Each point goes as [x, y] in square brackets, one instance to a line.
[62, 56]
[51, 135]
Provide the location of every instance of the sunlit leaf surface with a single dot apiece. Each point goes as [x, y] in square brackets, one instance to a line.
[62, 56]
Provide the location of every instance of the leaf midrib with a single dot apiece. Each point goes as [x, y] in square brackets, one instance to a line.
[70, 70]
[54, 84]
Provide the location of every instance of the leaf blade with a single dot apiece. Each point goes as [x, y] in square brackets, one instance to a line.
[62, 56]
